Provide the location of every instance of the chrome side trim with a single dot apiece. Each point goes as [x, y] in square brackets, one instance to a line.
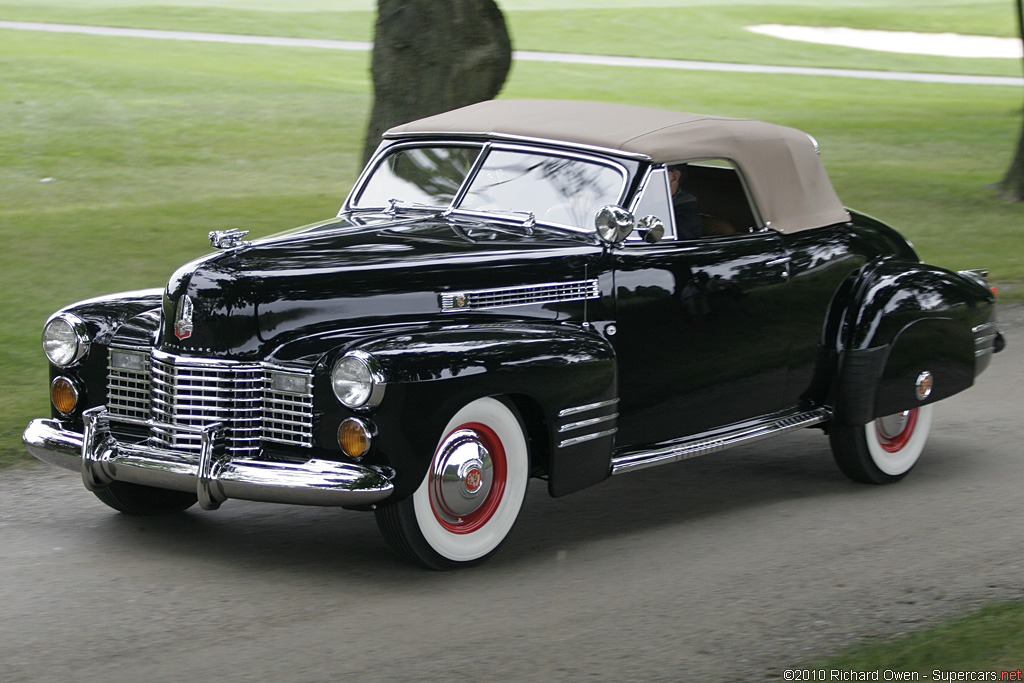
[988, 340]
[213, 476]
[598, 421]
[702, 445]
[586, 437]
[985, 339]
[570, 426]
[586, 408]
[521, 295]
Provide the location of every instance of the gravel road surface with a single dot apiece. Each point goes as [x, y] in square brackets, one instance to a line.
[734, 566]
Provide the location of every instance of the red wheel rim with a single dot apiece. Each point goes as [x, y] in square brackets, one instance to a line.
[478, 518]
[895, 442]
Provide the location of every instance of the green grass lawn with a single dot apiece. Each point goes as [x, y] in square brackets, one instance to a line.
[990, 640]
[118, 155]
[676, 29]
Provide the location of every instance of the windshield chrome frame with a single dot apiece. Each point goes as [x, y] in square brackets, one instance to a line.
[485, 148]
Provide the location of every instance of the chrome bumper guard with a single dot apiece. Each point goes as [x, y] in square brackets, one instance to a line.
[214, 478]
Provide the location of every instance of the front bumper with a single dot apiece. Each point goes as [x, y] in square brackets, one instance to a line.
[214, 478]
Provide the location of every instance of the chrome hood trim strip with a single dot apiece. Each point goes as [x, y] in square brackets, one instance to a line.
[521, 295]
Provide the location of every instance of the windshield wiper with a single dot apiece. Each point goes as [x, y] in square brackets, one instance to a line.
[529, 220]
[395, 204]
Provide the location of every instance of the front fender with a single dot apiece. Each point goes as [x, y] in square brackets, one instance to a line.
[105, 318]
[549, 372]
[908, 338]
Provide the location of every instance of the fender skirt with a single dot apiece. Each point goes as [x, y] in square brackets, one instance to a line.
[929, 360]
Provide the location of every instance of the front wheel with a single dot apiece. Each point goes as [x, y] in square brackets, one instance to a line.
[884, 450]
[470, 497]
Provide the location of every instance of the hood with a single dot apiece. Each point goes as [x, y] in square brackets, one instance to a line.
[347, 273]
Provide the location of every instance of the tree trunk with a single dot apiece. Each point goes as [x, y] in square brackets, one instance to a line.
[430, 56]
[1011, 187]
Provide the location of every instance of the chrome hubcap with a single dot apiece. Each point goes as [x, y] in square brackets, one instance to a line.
[463, 473]
[891, 426]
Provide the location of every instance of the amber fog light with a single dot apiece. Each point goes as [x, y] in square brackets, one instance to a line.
[64, 395]
[354, 437]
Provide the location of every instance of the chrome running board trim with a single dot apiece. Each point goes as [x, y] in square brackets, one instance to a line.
[702, 445]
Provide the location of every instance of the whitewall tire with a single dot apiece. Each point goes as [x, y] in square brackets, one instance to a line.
[471, 495]
[884, 450]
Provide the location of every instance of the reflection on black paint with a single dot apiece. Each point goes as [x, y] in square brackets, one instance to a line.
[251, 300]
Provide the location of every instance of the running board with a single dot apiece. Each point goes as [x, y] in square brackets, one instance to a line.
[702, 445]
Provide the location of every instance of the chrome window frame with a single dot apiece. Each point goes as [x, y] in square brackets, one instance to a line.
[670, 222]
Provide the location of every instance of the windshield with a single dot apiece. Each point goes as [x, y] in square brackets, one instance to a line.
[560, 190]
[553, 188]
[425, 176]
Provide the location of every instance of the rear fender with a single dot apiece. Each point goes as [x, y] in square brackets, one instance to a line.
[908, 338]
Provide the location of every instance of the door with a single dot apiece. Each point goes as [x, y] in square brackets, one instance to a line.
[702, 338]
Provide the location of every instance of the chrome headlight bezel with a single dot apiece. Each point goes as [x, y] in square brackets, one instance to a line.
[358, 381]
[65, 339]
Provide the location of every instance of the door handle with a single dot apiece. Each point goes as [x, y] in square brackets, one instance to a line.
[782, 260]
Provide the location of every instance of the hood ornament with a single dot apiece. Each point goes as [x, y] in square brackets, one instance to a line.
[228, 239]
[183, 327]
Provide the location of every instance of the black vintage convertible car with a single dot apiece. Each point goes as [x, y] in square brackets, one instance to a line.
[561, 290]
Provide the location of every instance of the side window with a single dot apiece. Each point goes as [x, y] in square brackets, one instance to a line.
[656, 201]
[712, 189]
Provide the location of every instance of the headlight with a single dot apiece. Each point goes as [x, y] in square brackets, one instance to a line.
[65, 339]
[357, 380]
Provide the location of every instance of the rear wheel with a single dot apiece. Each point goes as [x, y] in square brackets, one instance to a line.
[134, 499]
[884, 450]
[470, 497]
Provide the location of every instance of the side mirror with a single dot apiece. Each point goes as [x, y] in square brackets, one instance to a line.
[651, 229]
[614, 224]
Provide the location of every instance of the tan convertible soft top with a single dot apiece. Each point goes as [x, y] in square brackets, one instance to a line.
[780, 165]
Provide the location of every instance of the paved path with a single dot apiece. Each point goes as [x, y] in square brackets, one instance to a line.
[729, 567]
[558, 57]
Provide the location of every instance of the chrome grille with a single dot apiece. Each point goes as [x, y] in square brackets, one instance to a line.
[195, 394]
[287, 417]
[176, 395]
[520, 296]
[128, 387]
